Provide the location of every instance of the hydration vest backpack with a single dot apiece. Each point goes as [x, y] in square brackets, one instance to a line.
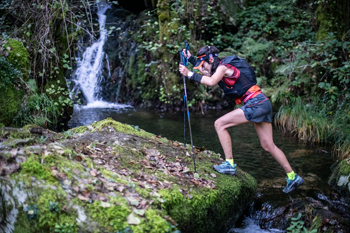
[246, 79]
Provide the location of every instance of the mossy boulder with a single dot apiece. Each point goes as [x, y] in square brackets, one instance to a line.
[340, 178]
[10, 102]
[112, 177]
[18, 56]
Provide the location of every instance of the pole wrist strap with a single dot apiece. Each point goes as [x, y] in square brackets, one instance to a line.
[196, 77]
[192, 60]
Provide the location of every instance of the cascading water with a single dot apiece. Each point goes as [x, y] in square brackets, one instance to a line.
[89, 72]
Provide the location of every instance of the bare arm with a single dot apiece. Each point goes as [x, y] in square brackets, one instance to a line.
[215, 78]
[206, 79]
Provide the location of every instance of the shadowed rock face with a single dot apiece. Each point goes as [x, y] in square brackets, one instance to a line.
[340, 178]
[110, 176]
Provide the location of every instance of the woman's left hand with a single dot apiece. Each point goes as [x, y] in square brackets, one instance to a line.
[183, 70]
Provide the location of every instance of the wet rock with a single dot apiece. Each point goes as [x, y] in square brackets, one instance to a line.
[340, 178]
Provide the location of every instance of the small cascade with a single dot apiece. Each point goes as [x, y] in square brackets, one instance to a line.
[89, 73]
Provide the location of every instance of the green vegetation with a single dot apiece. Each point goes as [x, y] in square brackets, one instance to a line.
[297, 226]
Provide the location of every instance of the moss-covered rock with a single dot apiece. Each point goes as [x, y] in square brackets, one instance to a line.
[340, 178]
[10, 102]
[18, 56]
[111, 177]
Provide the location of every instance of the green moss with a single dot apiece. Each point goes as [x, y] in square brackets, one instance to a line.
[36, 169]
[341, 172]
[10, 102]
[153, 223]
[18, 56]
[28, 127]
[344, 167]
[47, 219]
[120, 127]
[322, 32]
[227, 200]
[15, 133]
[112, 218]
[80, 129]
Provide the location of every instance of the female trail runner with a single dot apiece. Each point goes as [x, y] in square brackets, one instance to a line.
[238, 81]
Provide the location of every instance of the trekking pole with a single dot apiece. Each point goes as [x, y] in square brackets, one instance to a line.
[184, 61]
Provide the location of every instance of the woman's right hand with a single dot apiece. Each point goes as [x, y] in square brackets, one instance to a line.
[188, 55]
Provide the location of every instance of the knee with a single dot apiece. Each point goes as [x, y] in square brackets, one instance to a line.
[218, 125]
[267, 146]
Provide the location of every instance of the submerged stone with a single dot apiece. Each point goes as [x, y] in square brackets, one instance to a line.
[109, 176]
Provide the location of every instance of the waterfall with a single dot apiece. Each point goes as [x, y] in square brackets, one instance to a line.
[89, 72]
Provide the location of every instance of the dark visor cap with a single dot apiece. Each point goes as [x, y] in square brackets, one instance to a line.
[201, 59]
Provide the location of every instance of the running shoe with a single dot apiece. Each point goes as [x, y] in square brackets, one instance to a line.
[225, 168]
[293, 184]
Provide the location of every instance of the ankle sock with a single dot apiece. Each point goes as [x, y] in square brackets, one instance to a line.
[230, 161]
[291, 175]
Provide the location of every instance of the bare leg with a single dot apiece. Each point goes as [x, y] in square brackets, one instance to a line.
[264, 131]
[236, 117]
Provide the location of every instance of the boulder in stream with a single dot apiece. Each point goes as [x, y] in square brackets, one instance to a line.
[340, 178]
[113, 177]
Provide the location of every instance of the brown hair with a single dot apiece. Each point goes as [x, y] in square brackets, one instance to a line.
[210, 50]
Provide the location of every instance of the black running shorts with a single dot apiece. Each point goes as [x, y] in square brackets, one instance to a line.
[258, 109]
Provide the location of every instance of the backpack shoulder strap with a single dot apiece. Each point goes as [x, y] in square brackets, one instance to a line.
[242, 65]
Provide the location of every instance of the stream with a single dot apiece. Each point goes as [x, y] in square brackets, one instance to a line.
[271, 207]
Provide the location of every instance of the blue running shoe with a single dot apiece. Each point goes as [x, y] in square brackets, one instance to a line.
[293, 184]
[225, 168]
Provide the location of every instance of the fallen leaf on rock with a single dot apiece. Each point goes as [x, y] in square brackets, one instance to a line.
[75, 188]
[132, 220]
[93, 172]
[212, 174]
[143, 204]
[81, 197]
[152, 152]
[105, 204]
[79, 158]
[146, 162]
[54, 173]
[120, 188]
[170, 220]
[139, 212]
[59, 175]
[132, 162]
[166, 172]
[133, 201]
[14, 152]
[76, 171]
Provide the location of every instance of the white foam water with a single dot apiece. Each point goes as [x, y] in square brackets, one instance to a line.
[251, 226]
[102, 104]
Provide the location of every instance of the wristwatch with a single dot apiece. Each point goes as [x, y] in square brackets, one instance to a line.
[190, 74]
